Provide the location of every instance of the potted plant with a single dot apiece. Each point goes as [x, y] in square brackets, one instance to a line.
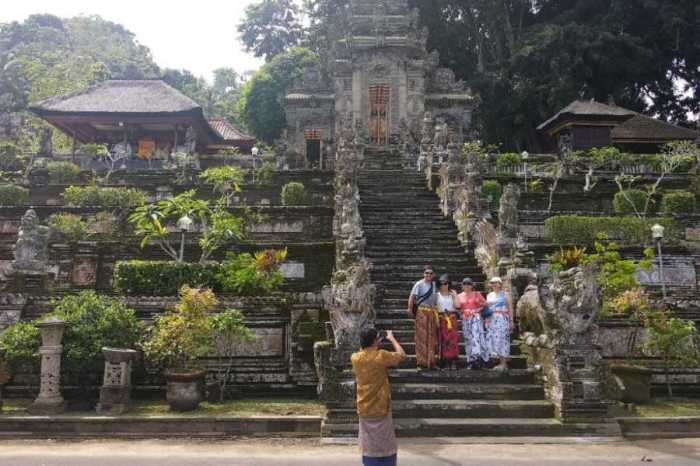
[177, 341]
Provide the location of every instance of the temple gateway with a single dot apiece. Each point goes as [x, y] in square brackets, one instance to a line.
[382, 78]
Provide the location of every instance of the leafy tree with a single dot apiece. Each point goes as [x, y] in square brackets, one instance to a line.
[270, 27]
[261, 104]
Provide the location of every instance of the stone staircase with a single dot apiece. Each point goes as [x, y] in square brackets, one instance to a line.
[405, 230]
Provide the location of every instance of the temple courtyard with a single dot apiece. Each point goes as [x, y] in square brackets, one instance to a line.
[424, 452]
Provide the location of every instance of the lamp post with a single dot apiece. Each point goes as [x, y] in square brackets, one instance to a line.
[657, 232]
[183, 224]
[525, 156]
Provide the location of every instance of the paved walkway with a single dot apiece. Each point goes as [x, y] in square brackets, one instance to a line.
[306, 452]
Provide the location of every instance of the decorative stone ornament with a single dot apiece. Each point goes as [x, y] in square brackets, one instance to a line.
[115, 393]
[50, 400]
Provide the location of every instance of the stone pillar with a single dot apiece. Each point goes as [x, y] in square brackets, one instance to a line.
[50, 400]
[115, 393]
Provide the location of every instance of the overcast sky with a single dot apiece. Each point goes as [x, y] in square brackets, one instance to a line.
[199, 36]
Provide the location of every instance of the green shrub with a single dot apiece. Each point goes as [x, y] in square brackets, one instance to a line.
[247, 275]
[93, 149]
[572, 229]
[637, 197]
[21, 342]
[11, 158]
[63, 172]
[12, 195]
[95, 196]
[507, 160]
[294, 193]
[93, 321]
[69, 226]
[682, 202]
[161, 278]
[492, 190]
[265, 175]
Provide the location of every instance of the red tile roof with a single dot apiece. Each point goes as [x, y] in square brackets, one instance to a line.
[229, 132]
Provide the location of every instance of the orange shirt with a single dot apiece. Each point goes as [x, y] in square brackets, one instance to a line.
[469, 303]
[373, 391]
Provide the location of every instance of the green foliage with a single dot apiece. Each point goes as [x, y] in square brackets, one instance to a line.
[265, 175]
[96, 150]
[21, 342]
[566, 259]
[69, 226]
[674, 340]
[12, 195]
[536, 186]
[93, 322]
[630, 201]
[615, 274]
[179, 338]
[226, 179]
[294, 194]
[492, 190]
[270, 27]
[63, 172]
[509, 53]
[11, 158]
[681, 202]
[262, 95]
[247, 275]
[507, 160]
[95, 196]
[218, 226]
[574, 229]
[163, 278]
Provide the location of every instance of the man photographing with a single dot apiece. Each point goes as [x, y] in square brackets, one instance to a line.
[376, 438]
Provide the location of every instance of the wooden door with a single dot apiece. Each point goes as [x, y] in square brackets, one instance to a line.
[379, 114]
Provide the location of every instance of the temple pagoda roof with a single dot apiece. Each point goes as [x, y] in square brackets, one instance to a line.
[139, 97]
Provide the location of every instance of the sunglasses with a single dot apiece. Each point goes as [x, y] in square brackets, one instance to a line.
[444, 283]
[427, 273]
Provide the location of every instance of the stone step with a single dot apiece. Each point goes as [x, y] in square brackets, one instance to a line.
[456, 408]
[515, 363]
[475, 391]
[459, 427]
[400, 288]
[462, 376]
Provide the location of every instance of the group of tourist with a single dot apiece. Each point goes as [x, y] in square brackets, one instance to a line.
[486, 323]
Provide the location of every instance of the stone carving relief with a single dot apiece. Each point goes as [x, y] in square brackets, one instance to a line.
[31, 249]
[508, 211]
[444, 81]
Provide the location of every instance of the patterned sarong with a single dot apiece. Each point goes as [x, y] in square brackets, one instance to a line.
[449, 337]
[376, 437]
[426, 337]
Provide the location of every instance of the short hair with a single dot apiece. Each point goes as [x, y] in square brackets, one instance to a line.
[367, 337]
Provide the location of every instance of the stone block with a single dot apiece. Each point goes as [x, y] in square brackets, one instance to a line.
[692, 234]
[678, 271]
[268, 342]
[293, 270]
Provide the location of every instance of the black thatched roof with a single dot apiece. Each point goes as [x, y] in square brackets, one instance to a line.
[589, 109]
[123, 97]
[641, 127]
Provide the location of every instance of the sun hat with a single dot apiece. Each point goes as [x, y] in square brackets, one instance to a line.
[467, 281]
[496, 280]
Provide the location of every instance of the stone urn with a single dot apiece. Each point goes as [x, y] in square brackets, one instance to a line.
[633, 382]
[184, 390]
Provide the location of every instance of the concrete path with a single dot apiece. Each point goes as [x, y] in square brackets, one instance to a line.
[311, 453]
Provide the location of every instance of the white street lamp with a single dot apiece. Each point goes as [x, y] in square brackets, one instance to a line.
[657, 233]
[183, 224]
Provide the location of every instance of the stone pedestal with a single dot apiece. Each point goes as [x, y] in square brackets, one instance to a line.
[115, 393]
[50, 400]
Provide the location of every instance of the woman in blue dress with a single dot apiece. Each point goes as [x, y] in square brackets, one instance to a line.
[501, 323]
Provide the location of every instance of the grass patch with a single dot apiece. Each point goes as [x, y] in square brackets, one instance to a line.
[669, 407]
[243, 407]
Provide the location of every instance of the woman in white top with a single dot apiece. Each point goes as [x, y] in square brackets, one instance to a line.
[448, 329]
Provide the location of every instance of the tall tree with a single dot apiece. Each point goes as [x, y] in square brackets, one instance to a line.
[261, 103]
[270, 27]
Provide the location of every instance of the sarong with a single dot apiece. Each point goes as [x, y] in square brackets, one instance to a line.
[474, 339]
[449, 337]
[376, 437]
[498, 335]
[426, 335]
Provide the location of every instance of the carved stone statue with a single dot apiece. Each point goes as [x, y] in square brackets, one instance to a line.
[31, 248]
[442, 133]
[565, 144]
[190, 140]
[508, 211]
[563, 310]
[46, 144]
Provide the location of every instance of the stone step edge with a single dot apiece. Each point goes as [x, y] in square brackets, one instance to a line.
[157, 427]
